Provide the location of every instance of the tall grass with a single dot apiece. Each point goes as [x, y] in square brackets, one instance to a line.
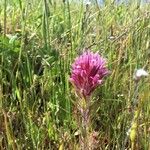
[38, 43]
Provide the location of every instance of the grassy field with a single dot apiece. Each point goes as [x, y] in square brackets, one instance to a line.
[39, 40]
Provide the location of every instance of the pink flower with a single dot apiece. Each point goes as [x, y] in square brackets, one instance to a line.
[88, 71]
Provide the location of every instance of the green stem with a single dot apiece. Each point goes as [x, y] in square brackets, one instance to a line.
[85, 120]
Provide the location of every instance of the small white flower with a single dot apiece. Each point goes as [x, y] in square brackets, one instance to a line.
[140, 73]
[87, 2]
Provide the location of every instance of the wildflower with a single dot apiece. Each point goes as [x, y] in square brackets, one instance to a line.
[88, 71]
[140, 73]
[87, 2]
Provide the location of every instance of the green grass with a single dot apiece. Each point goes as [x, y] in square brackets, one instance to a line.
[39, 40]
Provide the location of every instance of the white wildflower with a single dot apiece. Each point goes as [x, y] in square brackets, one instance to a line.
[87, 2]
[140, 73]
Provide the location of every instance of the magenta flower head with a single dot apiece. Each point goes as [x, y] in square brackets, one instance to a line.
[88, 71]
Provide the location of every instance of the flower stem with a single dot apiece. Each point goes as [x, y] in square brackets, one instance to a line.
[85, 119]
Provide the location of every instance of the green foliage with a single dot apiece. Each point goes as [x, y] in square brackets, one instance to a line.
[38, 44]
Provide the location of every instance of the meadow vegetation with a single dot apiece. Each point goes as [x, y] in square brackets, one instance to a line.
[39, 40]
